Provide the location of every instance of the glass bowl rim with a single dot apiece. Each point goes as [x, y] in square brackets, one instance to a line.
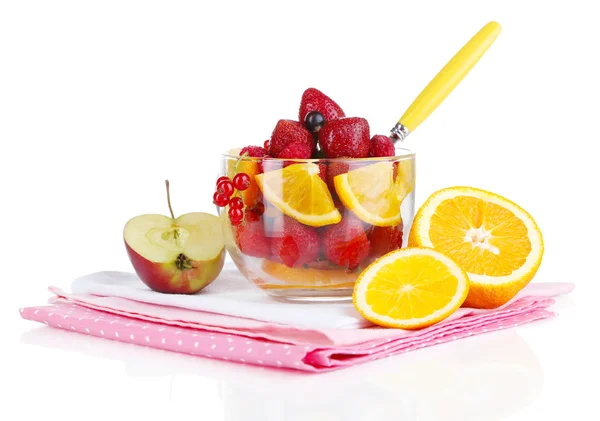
[406, 154]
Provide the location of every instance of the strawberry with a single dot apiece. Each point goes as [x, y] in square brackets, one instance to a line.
[345, 138]
[250, 236]
[340, 207]
[385, 239]
[315, 100]
[322, 171]
[381, 146]
[335, 168]
[287, 132]
[346, 243]
[297, 244]
[296, 150]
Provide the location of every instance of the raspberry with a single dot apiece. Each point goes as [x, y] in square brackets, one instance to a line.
[250, 236]
[346, 243]
[296, 150]
[297, 245]
[287, 132]
[381, 146]
[315, 100]
[385, 239]
[254, 151]
[348, 137]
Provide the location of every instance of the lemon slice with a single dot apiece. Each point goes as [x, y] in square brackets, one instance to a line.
[369, 192]
[405, 178]
[299, 192]
[410, 288]
[494, 240]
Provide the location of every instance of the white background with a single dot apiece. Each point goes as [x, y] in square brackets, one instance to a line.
[101, 101]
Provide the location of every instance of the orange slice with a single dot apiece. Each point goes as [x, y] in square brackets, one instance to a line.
[411, 288]
[494, 240]
[250, 166]
[311, 278]
[369, 192]
[299, 192]
[405, 178]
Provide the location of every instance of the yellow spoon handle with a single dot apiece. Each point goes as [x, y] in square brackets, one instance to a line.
[447, 79]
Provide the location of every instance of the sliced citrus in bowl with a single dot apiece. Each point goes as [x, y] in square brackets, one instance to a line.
[494, 240]
[249, 166]
[299, 192]
[306, 277]
[411, 288]
[404, 180]
[369, 192]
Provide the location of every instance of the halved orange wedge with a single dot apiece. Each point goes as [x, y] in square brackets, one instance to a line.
[411, 288]
[299, 192]
[369, 192]
[306, 277]
[494, 240]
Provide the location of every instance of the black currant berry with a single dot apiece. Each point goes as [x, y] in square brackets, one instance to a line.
[314, 121]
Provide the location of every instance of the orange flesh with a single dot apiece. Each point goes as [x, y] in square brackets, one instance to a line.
[411, 287]
[505, 234]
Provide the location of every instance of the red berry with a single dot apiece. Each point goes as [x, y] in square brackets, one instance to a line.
[236, 203]
[334, 169]
[346, 243]
[381, 146]
[223, 178]
[296, 150]
[385, 239]
[250, 237]
[322, 170]
[348, 137]
[236, 215]
[254, 151]
[225, 188]
[287, 132]
[297, 244]
[259, 208]
[266, 144]
[220, 199]
[241, 181]
[315, 100]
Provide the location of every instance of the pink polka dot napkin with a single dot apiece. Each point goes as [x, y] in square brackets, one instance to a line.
[271, 340]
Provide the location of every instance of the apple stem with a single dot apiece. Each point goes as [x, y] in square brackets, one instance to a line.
[169, 199]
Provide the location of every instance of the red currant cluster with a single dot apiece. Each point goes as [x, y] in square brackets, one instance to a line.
[225, 190]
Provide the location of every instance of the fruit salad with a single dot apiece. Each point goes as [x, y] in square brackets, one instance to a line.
[316, 203]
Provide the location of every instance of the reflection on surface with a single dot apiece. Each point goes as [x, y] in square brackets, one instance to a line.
[481, 378]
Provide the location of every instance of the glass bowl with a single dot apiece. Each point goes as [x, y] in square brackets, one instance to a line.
[312, 226]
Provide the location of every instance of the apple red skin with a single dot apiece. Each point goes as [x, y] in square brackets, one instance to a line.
[167, 278]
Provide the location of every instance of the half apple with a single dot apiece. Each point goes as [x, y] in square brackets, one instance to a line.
[176, 255]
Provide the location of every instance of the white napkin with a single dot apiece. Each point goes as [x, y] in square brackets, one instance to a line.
[230, 294]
